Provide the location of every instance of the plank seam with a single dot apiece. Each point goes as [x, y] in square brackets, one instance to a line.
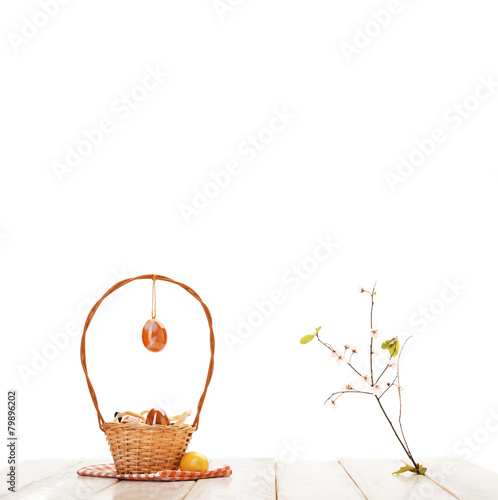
[437, 484]
[106, 488]
[350, 477]
[276, 479]
[187, 493]
[63, 469]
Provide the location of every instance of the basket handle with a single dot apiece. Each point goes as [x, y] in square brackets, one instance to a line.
[92, 312]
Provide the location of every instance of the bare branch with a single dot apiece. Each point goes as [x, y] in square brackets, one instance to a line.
[399, 395]
[346, 392]
[371, 339]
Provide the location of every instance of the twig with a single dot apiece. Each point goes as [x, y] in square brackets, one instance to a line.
[371, 339]
[399, 395]
[394, 430]
[389, 386]
[328, 346]
[347, 392]
[385, 369]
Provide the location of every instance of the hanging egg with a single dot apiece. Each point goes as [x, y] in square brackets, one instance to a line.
[156, 416]
[154, 335]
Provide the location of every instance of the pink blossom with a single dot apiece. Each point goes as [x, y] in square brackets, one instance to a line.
[374, 333]
[377, 389]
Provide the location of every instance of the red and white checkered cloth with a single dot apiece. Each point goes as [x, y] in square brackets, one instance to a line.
[108, 470]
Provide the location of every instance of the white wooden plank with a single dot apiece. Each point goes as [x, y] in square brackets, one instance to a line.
[30, 471]
[66, 484]
[375, 479]
[305, 480]
[252, 479]
[463, 479]
[137, 490]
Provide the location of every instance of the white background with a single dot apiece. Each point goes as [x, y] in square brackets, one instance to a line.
[66, 238]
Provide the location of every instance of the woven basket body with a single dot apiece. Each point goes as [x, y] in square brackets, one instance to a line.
[145, 449]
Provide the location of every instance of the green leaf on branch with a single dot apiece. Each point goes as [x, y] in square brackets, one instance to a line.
[307, 338]
[392, 346]
[406, 468]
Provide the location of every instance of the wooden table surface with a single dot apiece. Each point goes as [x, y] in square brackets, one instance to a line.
[265, 479]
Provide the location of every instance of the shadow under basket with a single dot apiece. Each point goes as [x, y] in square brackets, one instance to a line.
[145, 449]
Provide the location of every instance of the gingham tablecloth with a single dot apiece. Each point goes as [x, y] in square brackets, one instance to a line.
[108, 470]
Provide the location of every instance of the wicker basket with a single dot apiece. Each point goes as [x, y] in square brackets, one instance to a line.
[145, 449]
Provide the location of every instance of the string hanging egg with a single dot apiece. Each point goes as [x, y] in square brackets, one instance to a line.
[154, 336]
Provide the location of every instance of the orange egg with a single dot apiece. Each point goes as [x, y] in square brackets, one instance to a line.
[156, 416]
[154, 335]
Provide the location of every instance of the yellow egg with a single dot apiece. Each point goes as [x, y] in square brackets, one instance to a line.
[194, 462]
